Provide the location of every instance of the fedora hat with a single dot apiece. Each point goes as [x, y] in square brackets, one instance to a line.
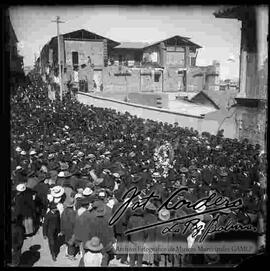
[57, 191]
[21, 187]
[94, 244]
[18, 149]
[201, 209]
[98, 181]
[156, 175]
[184, 170]
[223, 173]
[150, 206]
[192, 167]
[64, 166]
[18, 168]
[164, 214]
[87, 191]
[102, 194]
[90, 156]
[99, 207]
[136, 179]
[116, 175]
[64, 174]
[50, 156]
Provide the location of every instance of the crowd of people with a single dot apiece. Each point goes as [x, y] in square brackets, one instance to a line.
[72, 163]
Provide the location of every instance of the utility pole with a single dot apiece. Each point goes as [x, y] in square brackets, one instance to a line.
[57, 21]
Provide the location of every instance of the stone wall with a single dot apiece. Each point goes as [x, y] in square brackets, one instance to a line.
[159, 100]
[251, 124]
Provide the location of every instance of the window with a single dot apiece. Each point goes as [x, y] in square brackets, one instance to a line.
[156, 77]
[75, 58]
[192, 61]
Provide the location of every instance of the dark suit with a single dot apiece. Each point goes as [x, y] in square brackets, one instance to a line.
[17, 232]
[138, 238]
[119, 228]
[51, 229]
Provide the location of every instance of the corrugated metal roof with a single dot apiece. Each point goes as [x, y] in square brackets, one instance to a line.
[131, 45]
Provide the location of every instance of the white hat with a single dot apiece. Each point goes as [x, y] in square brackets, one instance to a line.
[78, 195]
[87, 191]
[156, 175]
[102, 194]
[116, 174]
[44, 169]
[200, 209]
[21, 187]
[164, 214]
[50, 156]
[23, 152]
[18, 149]
[32, 152]
[57, 191]
[61, 174]
[18, 168]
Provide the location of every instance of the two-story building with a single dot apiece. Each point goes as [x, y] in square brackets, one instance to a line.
[82, 52]
[164, 66]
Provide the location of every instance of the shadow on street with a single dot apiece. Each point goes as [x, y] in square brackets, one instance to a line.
[30, 256]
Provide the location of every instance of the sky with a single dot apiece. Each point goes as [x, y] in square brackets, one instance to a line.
[219, 38]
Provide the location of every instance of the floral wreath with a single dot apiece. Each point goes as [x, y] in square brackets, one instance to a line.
[163, 158]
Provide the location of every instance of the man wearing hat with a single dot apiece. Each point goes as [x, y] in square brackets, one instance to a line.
[150, 217]
[93, 253]
[99, 226]
[67, 227]
[82, 220]
[17, 232]
[25, 207]
[51, 228]
[164, 239]
[62, 177]
[138, 238]
[58, 194]
[42, 189]
[121, 226]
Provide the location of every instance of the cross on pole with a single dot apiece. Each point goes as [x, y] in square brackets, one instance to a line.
[57, 21]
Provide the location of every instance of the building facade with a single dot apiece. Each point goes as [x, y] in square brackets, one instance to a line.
[106, 65]
[251, 107]
[15, 59]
